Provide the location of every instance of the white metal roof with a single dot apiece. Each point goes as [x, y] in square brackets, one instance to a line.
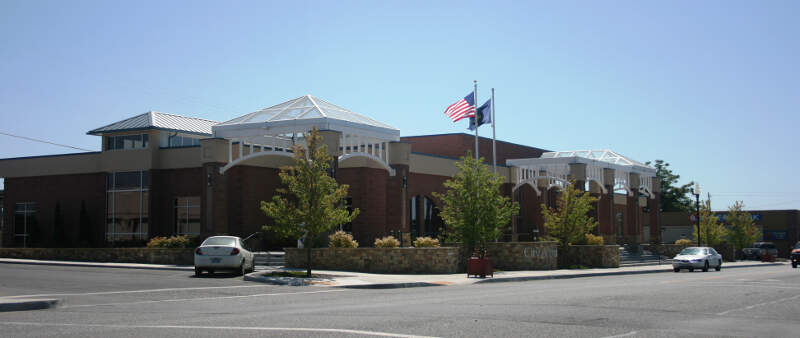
[602, 158]
[158, 120]
[301, 115]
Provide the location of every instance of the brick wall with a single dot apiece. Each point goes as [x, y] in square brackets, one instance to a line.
[457, 145]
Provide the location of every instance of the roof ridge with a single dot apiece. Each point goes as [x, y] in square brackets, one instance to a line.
[186, 117]
[113, 123]
[352, 112]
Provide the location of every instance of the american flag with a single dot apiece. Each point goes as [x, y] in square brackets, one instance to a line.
[462, 108]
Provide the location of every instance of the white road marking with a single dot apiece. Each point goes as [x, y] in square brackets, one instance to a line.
[623, 335]
[138, 291]
[760, 304]
[201, 298]
[226, 328]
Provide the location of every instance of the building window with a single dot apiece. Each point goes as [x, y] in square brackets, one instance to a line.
[619, 219]
[347, 227]
[26, 225]
[174, 140]
[187, 216]
[413, 216]
[433, 223]
[127, 142]
[127, 201]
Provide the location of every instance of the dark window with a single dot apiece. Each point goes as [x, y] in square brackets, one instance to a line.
[187, 216]
[25, 224]
[433, 223]
[619, 223]
[126, 142]
[413, 215]
[127, 206]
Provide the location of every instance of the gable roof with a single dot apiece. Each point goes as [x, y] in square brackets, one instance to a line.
[161, 121]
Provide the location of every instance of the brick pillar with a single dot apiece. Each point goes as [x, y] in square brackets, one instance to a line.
[397, 190]
[577, 173]
[633, 210]
[214, 216]
[605, 214]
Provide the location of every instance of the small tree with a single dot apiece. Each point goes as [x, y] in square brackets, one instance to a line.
[743, 231]
[569, 221]
[711, 230]
[473, 209]
[311, 204]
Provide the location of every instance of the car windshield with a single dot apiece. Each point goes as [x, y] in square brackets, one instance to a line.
[694, 251]
[226, 241]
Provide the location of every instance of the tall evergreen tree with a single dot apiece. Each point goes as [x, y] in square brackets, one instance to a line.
[673, 197]
[311, 203]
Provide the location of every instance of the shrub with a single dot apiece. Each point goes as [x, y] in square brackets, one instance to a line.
[387, 242]
[426, 242]
[341, 239]
[170, 242]
[594, 240]
[683, 241]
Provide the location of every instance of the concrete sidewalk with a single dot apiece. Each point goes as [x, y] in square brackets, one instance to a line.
[386, 281]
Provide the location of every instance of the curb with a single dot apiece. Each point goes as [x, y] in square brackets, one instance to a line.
[7, 305]
[100, 265]
[600, 274]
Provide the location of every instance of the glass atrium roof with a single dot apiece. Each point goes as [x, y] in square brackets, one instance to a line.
[604, 155]
[300, 114]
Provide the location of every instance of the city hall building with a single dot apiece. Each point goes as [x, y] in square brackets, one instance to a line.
[160, 174]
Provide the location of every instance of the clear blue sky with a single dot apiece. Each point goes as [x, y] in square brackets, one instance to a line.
[710, 87]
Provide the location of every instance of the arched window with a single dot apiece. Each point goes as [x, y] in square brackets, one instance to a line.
[413, 215]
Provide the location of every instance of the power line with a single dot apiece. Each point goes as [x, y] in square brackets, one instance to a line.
[43, 141]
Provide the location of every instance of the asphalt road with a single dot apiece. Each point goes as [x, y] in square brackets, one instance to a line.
[104, 302]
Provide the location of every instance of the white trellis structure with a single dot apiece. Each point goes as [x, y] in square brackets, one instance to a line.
[554, 168]
[275, 130]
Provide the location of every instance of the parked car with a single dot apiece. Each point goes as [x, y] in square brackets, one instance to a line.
[223, 253]
[697, 258]
[760, 249]
[795, 256]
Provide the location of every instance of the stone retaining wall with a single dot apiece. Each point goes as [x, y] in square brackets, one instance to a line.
[105, 255]
[591, 256]
[378, 260]
[523, 255]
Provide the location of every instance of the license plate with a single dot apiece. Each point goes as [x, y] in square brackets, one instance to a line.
[215, 260]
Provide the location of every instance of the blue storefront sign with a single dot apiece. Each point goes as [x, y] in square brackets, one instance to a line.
[776, 235]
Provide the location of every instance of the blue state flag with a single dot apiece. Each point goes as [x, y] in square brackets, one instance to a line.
[484, 114]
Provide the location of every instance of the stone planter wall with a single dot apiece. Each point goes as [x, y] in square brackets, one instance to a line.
[105, 255]
[591, 256]
[379, 260]
[523, 255]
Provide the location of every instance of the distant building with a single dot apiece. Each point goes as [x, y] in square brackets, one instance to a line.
[160, 174]
[779, 226]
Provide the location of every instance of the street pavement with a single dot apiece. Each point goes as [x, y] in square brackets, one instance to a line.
[118, 302]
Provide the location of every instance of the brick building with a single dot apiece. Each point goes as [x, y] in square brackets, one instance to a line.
[160, 174]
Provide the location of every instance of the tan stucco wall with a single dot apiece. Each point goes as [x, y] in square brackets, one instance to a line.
[435, 165]
[50, 165]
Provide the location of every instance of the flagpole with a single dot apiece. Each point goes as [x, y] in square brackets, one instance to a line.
[494, 139]
[475, 115]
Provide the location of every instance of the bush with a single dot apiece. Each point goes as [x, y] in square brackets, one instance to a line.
[387, 242]
[683, 241]
[594, 240]
[426, 242]
[341, 239]
[170, 242]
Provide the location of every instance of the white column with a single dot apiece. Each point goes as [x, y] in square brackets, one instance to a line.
[241, 147]
[230, 150]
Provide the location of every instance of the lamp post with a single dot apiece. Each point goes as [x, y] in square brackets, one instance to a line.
[696, 192]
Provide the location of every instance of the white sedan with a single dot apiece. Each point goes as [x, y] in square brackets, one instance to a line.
[223, 253]
[697, 258]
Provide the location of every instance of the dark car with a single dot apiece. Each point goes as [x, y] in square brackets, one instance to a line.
[759, 250]
[795, 257]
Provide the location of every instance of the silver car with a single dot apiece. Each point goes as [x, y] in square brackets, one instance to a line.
[697, 258]
[223, 253]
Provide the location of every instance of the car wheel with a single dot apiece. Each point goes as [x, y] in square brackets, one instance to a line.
[198, 272]
[676, 269]
[691, 269]
[705, 267]
[242, 269]
[719, 266]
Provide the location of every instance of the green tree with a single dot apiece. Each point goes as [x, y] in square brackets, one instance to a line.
[673, 196]
[743, 231]
[711, 230]
[473, 209]
[569, 221]
[312, 202]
